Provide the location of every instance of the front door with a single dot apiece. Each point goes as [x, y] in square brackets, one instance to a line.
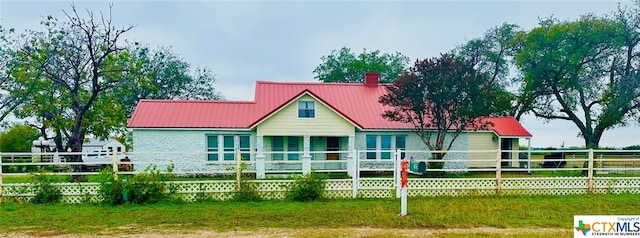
[506, 144]
[333, 144]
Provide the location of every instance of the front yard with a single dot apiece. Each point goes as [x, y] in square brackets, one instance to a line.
[440, 215]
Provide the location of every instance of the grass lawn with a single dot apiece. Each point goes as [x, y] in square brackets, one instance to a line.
[527, 212]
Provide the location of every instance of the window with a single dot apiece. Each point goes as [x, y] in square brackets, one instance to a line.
[212, 148]
[228, 148]
[110, 149]
[371, 145]
[293, 145]
[119, 149]
[277, 145]
[385, 144]
[401, 143]
[245, 147]
[306, 109]
[224, 147]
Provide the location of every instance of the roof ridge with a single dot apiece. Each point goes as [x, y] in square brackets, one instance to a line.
[197, 101]
[315, 83]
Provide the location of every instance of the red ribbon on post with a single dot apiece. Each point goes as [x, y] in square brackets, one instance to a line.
[405, 173]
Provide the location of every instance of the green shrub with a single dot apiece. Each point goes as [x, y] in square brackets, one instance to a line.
[247, 192]
[308, 187]
[147, 187]
[45, 191]
[142, 188]
[110, 191]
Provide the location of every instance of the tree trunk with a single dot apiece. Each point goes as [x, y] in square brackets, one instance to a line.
[592, 139]
[438, 164]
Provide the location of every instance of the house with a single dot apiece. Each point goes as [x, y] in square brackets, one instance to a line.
[292, 122]
[111, 145]
[90, 146]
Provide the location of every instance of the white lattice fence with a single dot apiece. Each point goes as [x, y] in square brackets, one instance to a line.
[616, 185]
[72, 192]
[376, 188]
[194, 190]
[451, 187]
[368, 188]
[544, 186]
[339, 188]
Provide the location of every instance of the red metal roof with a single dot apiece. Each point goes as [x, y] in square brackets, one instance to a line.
[356, 102]
[191, 114]
[508, 126]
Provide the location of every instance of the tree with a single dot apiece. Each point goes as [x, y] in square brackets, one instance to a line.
[79, 78]
[344, 66]
[18, 138]
[441, 97]
[583, 71]
[166, 76]
[72, 65]
[493, 54]
[8, 101]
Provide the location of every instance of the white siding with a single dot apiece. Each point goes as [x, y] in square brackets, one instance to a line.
[286, 122]
[482, 141]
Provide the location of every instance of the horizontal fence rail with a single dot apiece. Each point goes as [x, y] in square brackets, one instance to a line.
[352, 174]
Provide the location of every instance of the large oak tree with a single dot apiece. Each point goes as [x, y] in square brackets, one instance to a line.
[583, 71]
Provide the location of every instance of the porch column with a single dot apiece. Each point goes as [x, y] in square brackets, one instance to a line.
[306, 156]
[351, 158]
[260, 171]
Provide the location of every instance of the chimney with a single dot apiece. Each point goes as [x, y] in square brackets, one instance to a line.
[371, 79]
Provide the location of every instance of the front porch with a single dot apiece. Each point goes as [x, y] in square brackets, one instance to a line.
[287, 154]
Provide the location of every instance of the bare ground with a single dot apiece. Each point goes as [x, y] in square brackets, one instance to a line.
[305, 232]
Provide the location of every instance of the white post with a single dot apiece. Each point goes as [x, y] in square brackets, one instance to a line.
[529, 156]
[498, 171]
[396, 174]
[590, 172]
[238, 168]
[404, 181]
[1, 187]
[260, 168]
[306, 156]
[356, 175]
[351, 157]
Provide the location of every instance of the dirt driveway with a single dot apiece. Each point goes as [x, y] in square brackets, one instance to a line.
[313, 232]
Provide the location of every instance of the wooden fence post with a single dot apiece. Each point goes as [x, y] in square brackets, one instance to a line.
[590, 188]
[498, 172]
[238, 169]
[114, 163]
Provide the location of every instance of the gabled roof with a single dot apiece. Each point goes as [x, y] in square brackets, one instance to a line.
[355, 102]
[305, 92]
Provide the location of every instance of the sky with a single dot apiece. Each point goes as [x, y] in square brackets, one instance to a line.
[246, 41]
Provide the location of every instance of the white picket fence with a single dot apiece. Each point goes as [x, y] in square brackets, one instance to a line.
[605, 172]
